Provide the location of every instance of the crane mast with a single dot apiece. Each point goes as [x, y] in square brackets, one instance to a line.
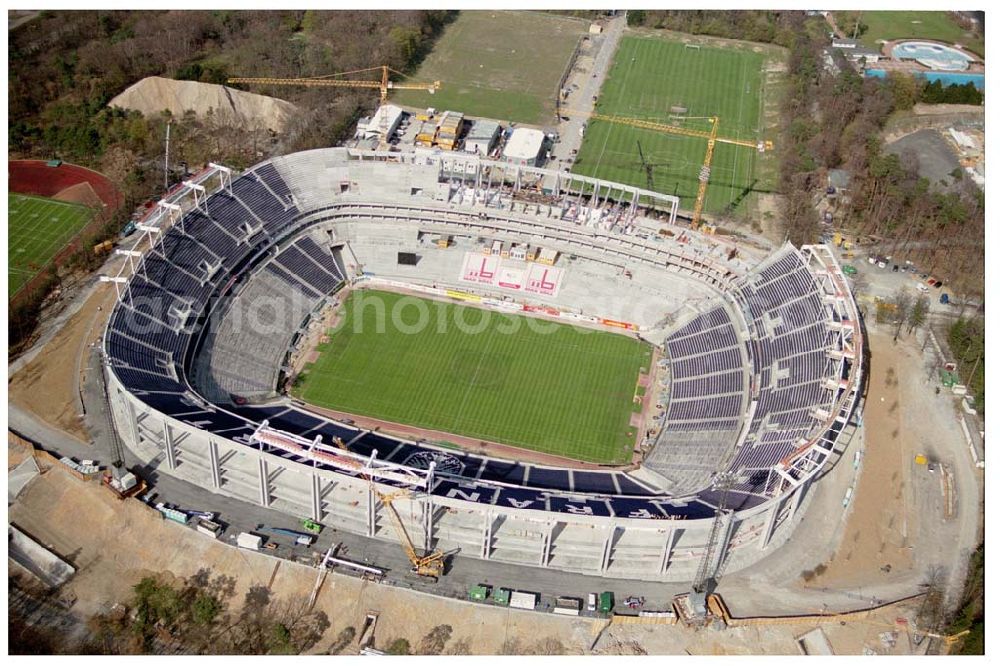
[710, 136]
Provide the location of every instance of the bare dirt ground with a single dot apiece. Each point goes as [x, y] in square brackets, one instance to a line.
[946, 109]
[17, 451]
[113, 544]
[47, 385]
[876, 531]
[233, 107]
[81, 193]
[850, 638]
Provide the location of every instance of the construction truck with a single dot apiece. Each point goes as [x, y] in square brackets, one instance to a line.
[129, 485]
[311, 526]
[301, 539]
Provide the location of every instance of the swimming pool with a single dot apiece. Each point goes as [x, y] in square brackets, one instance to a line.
[933, 56]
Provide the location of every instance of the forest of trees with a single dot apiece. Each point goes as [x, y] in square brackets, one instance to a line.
[935, 92]
[66, 66]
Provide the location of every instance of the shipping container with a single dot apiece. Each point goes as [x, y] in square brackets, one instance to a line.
[209, 528]
[502, 597]
[249, 541]
[174, 515]
[525, 600]
[606, 602]
[479, 592]
[567, 606]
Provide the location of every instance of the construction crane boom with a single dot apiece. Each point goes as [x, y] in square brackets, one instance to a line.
[723, 484]
[383, 85]
[710, 136]
[430, 565]
[673, 129]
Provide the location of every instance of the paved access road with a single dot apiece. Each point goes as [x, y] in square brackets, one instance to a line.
[589, 83]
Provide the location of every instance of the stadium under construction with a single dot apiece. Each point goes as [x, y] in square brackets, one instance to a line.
[762, 356]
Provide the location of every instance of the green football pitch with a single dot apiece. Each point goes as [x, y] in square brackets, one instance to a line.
[534, 384]
[37, 229]
[648, 77]
[496, 64]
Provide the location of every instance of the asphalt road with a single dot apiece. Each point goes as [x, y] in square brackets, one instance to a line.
[581, 100]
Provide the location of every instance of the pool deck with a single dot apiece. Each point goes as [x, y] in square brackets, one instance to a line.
[976, 64]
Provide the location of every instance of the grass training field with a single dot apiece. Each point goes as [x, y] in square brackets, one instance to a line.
[553, 388]
[939, 26]
[497, 64]
[37, 229]
[648, 77]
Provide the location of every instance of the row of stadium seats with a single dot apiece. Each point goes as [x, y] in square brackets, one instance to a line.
[788, 359]
[245, 350]
[187, 263]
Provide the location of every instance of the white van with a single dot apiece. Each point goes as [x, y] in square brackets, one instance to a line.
[591, 602]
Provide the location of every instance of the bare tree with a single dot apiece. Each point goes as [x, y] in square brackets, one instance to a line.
[917, 316]
[902, 301]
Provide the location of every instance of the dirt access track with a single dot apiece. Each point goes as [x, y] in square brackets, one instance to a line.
[48, 385]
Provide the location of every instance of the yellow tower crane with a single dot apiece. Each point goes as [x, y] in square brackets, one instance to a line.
[710, 136]
[384, 85]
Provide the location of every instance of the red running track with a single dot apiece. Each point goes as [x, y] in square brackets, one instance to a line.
[34, 177]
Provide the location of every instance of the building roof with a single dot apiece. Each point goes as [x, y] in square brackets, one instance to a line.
[839, 178]
[386, 116]
[524, 144]
[839, 43]
[863, 51]
[482, 130]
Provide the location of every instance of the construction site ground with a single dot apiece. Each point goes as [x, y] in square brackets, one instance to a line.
[47, 383]
[114, 543]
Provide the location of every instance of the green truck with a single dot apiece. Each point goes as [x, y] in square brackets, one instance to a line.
[605, 602]
[311, 526]
[502, 597]
[479, 592]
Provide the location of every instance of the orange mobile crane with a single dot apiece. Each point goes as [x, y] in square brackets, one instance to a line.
[430, 565]
[712, 137]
